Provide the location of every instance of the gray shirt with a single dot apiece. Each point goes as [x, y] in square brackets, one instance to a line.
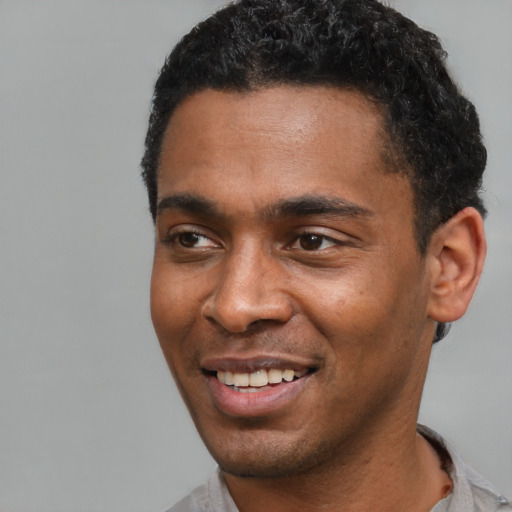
[471, 492]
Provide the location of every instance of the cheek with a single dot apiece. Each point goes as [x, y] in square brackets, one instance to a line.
[162, 303]
[172, 298]
[369, 310]
[349, 302]
[176, 302]
[169, 314]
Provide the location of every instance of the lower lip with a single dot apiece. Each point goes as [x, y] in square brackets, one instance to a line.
[235, 403]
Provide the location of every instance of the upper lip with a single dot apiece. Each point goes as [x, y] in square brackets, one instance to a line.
[239, 364]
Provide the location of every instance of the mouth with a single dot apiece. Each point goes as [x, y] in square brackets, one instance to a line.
[253, 388]
[259, 380]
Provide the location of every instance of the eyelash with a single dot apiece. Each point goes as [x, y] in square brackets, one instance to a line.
[322, 238]
[174, 239]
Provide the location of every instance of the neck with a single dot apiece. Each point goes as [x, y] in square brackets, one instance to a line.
[390, 473]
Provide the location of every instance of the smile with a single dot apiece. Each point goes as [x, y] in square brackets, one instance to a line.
[259, 380]
[255, 388]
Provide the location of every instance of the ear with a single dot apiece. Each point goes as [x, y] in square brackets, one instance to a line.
[456, 258]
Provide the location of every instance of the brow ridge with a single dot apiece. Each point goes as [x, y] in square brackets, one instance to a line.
[301, 206]
[190, 203]
[308, 205]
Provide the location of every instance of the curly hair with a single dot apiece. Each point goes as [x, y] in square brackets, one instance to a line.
[432, 130]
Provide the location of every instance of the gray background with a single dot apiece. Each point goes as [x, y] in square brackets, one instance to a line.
[89, 416]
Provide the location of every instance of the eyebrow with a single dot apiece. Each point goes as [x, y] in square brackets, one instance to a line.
[302, 206]
[307, 205]
[188, 203]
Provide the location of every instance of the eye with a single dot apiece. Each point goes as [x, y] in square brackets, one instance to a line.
[313, 242]
[192, 240]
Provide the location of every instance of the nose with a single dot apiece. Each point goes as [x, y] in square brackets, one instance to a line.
[248, 291]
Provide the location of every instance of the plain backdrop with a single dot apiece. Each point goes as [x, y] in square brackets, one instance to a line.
[90, 419]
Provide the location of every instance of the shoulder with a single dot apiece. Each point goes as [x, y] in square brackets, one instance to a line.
[197, 501]
[471, 491]
[485, 497]
[210, 497]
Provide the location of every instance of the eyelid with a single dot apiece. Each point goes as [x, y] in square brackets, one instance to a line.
[173, 233]
[340, 239]
[324, 240]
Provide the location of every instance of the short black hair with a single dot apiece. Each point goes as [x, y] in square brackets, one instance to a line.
[433, 132]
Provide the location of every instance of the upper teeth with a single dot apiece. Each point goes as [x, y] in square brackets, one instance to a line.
[260, 378]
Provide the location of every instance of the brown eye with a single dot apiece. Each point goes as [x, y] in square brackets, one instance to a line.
[188, 239]
[311, 242]
[193, 240]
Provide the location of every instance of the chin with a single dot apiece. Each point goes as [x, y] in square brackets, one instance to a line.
[260, 469]
[274, 467]
[259, 458]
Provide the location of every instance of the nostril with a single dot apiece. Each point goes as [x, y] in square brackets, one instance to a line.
[262, 324]
[245, 298]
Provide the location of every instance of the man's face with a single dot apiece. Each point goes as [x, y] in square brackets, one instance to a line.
[285, 251]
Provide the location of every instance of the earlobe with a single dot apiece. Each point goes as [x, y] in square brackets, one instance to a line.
[456, 258]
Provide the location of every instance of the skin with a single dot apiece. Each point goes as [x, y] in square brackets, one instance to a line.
[245, 274]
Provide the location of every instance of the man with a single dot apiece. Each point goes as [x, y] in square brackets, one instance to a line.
[314, 178]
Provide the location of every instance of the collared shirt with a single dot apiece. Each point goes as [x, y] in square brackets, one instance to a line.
[470, 493]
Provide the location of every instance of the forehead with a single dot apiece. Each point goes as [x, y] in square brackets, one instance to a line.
[293, 113]
[277, 142]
